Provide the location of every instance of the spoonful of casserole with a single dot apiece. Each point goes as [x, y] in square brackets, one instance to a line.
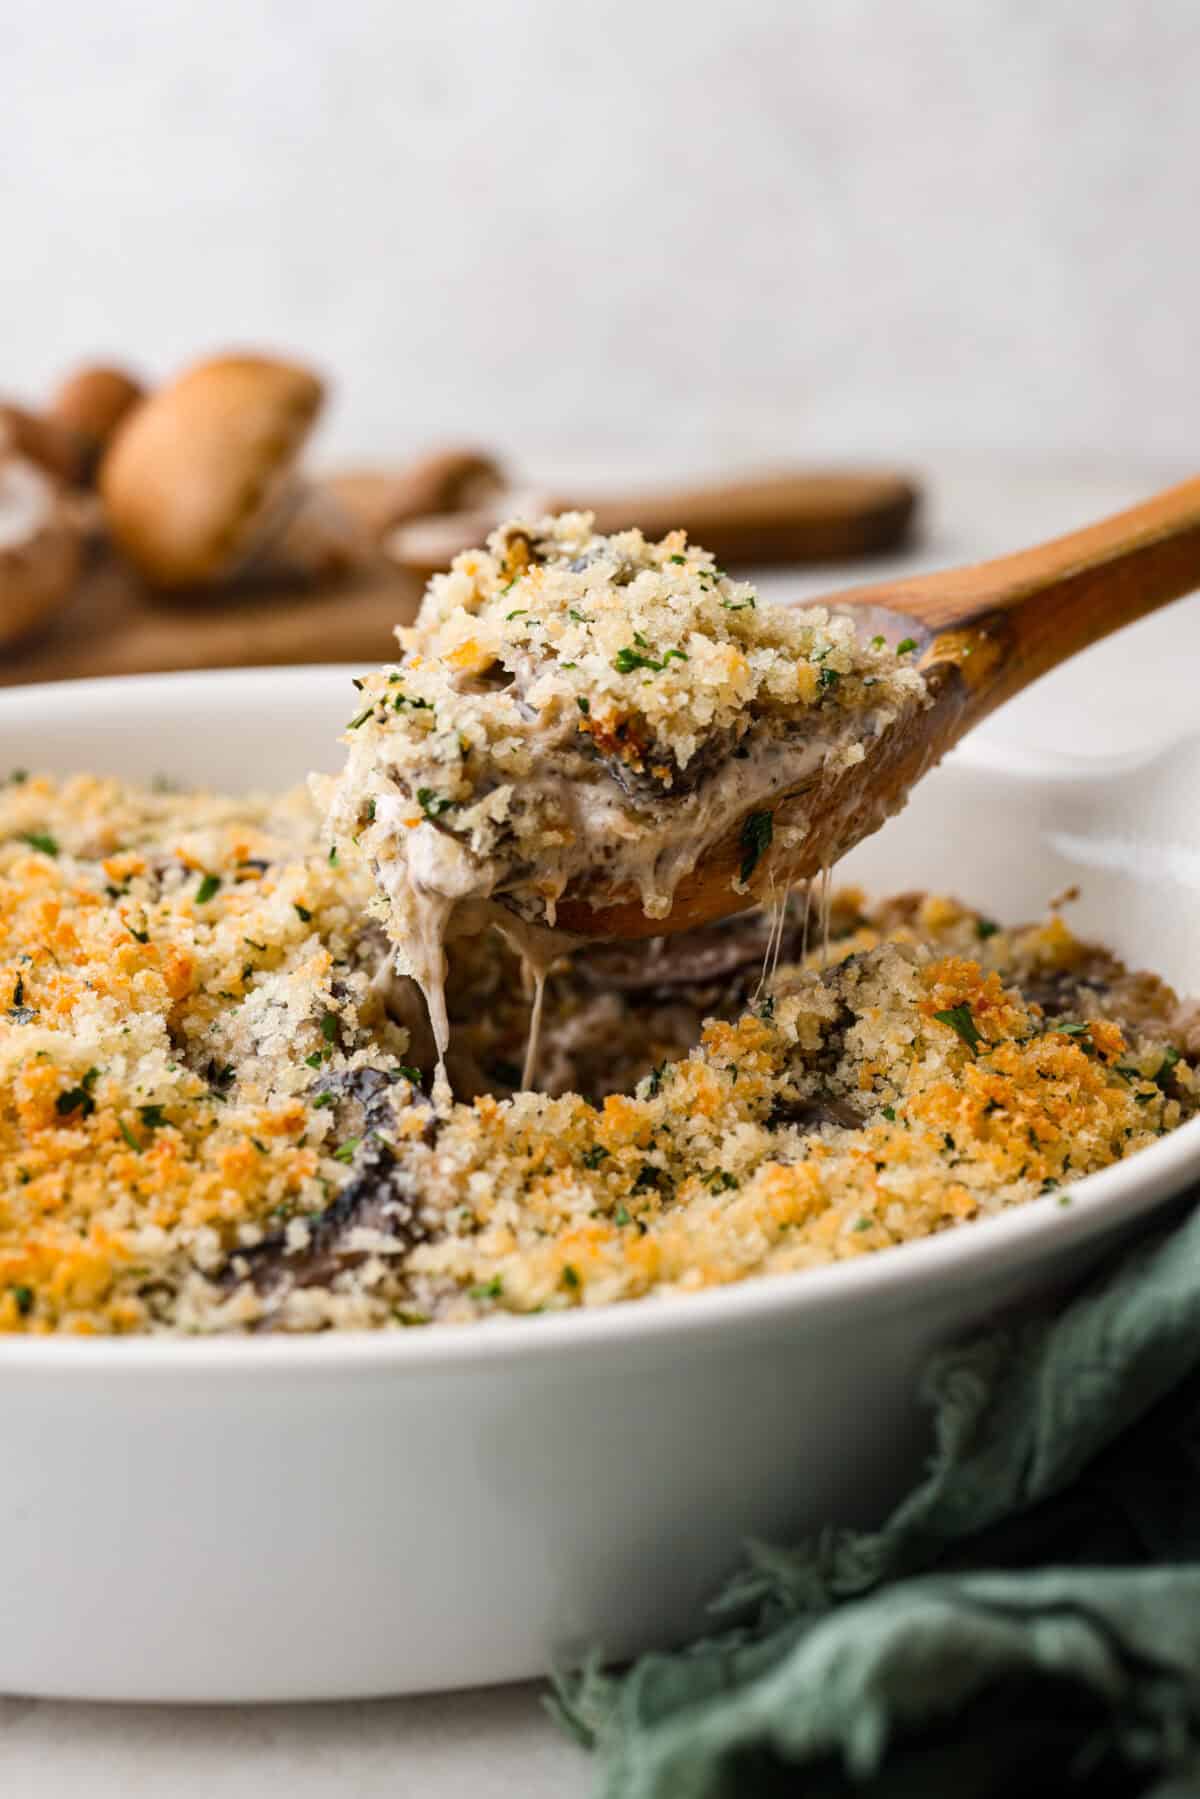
[598, 736]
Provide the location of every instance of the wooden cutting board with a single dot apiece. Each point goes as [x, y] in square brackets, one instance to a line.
[114, 626]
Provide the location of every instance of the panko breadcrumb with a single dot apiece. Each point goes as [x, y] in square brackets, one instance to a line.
[574, 707]
[214, 1110]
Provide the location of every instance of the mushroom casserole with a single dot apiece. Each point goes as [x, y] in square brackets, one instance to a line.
[225, 1106]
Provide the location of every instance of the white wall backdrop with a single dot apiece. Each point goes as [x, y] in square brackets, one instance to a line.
[669, 228]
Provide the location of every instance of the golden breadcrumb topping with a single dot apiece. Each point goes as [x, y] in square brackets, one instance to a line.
[213, 1088]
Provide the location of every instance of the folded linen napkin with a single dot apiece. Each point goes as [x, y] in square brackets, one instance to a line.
[1028, 1616]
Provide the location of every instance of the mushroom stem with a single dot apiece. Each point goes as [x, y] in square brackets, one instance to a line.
[442, 481]
[309, 533]
[39, 548]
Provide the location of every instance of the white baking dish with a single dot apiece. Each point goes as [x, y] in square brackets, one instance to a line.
[335, 1516]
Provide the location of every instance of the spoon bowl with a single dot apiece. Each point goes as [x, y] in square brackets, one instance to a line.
[982, 634]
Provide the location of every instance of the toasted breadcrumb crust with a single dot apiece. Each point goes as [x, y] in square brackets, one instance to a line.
[566, 703]
[213, 1116]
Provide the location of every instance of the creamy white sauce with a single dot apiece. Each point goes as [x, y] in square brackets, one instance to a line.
[610, 846]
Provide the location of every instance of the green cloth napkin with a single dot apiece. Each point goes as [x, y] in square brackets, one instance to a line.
[1027, 1618]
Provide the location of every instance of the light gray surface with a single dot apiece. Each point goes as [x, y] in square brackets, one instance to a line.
[721, 230]
[490, 1745]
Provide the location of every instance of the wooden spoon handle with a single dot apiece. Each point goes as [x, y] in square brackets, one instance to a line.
[1005, 623]
[787, 517]
[792, 516]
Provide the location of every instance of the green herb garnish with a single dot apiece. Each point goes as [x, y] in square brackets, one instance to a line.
[432, 804]
[827, 679]
[488, 1290]
[361, 719]
[583, 704]
[985, 928]
[152, 1117]
[207, 888]
[717, 1180]
[757, 832]
[40, 840]
[23, 1299]
[593, 1157]
[627, 659]
[345, 1151]
[128, 1136]
[570, 1275]
[905, 645]
[302, 912]
[78, 1099]
[961, 1020]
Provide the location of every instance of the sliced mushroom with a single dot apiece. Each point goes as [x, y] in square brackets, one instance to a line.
[40, 548]
[200, 484]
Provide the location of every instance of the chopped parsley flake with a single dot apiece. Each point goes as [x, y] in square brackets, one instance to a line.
[40, 840]
[905, 645]
[207, 888]
[345, 1151]
[78, 1099]
[488, 1289]
[627, 659]
[432, 804]
[757, 832]
[302, 912]
[22, 1299]
[961, 1020]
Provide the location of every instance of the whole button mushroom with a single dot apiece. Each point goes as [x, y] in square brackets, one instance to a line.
[67, 438]
[200, 483]
[91, 403]
[40, 547]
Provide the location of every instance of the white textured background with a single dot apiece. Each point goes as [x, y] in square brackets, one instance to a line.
[679, 230]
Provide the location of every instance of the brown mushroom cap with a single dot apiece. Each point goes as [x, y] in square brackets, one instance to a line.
[92, 403]
[40, 548]
[53, 445]
[191, 478]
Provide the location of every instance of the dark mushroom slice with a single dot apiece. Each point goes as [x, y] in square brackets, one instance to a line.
[379, 1196]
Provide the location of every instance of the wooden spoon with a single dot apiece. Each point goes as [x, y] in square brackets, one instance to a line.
[984, 633]
[788, 516]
